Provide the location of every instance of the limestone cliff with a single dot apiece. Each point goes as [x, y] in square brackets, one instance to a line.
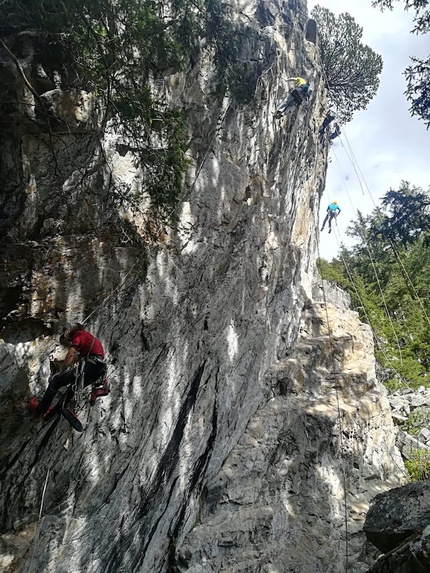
[242, 411]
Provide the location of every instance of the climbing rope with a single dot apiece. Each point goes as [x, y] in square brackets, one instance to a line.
[118, 288]
[363, 308]
[362, 182]
[351, 156]
[363, 237]
[405, 273]
[353, 159]
[339, 415]
[384, 445]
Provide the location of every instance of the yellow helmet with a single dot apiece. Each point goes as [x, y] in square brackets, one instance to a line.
[334, 202]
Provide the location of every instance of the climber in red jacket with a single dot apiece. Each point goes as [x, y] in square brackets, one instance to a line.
[86, 350]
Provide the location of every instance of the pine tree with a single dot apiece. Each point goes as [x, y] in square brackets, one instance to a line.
[351, 69]
[418, 74]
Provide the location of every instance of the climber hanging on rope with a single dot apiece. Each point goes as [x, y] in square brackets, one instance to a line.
[87, 351]
[327, 120]
[296, 96]
[333, 211]
[336, 132]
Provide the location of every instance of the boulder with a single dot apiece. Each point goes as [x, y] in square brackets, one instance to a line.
[408, 445]
[420, 399]
[412, 556]
[424, 435]
[396, 515]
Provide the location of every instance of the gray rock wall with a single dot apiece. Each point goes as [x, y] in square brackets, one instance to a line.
[234, 419]
[324, 431]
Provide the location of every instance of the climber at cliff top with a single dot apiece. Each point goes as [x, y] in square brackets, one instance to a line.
[85, 350]
[333, 211]
[296, 96]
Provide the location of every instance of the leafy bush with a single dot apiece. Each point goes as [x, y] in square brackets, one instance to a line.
[419, 465]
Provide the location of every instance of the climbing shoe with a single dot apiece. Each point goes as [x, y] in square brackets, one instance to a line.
[72, 418]
[99, 390]
[329, 230]
[33, 405]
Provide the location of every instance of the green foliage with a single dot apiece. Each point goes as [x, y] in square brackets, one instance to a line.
[418, 74]
[333, 272]
[118, 50]
[418, 88]
[419, 465]
[417, 420]
[386, 274]
[351, 69]
[406, 214]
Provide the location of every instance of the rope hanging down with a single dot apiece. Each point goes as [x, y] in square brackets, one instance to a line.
[391, 242]
[356, 166]
[375, 272]
[353, 159]
[339, 414]
[362, 306]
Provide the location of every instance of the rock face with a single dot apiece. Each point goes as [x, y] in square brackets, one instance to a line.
[397, 524]
[405, 402]
[245, 430]
[324, 291]
[324, 431]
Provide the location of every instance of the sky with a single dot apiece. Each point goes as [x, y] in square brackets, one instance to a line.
[388, 144]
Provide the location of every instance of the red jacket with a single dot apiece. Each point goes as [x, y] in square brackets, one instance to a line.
[85, 343]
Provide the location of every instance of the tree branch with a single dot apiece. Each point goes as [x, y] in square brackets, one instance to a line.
[21, 71]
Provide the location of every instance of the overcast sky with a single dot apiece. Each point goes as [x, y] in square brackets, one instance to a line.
[388, 144]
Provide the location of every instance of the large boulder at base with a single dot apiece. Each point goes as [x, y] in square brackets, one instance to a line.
[397, 514]
[412, 556]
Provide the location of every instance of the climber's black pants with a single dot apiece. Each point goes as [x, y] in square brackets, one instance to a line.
[92, 372]
[329, 217]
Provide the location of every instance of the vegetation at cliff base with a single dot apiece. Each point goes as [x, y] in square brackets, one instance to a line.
[418, 466]
[418, 73]
[386, 273]
[351, 69]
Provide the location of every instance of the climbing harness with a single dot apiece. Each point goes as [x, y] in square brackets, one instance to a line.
[100, 387]
[297, 96]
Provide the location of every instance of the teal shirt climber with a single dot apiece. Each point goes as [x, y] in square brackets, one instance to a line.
[333, 207]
